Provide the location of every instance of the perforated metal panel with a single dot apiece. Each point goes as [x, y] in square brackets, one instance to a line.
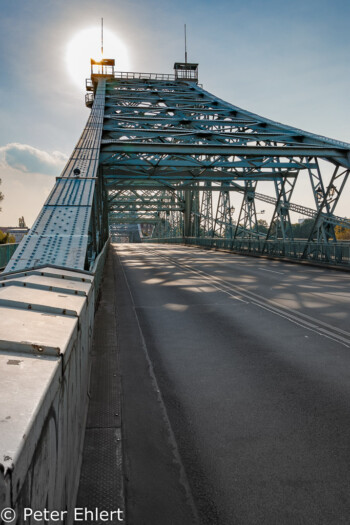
[75, 192]
[60, 234]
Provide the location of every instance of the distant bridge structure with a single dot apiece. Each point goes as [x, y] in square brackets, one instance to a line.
[160, 151]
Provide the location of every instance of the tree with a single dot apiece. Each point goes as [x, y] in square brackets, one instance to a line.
[302, 230]
[263, 226]
[342, 233]
[1, 195]
[6, 238]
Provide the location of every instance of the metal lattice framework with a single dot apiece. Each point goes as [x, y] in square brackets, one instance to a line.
[176, 136]
[159, 149]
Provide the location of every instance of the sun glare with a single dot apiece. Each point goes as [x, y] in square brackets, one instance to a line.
[87, 44]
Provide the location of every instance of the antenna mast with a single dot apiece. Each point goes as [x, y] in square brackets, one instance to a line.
[102, 36]
[185, 46]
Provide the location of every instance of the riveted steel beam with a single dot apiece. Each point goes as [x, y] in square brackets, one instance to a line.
[224, 150]
[166, 150]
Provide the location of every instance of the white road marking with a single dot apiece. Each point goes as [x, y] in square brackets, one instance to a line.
[303, 320]
[273, 271]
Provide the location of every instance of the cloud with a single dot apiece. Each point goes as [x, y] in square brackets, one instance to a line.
[22, 196]
[28, 159]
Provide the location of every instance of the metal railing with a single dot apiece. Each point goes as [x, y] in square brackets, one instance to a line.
[6, 252]
[337, 254]
[143, 76]
[89, 99]
[89, 84]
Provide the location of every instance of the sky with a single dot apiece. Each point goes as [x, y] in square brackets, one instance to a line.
[285, 60]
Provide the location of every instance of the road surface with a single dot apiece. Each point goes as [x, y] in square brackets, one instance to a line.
[236, 388]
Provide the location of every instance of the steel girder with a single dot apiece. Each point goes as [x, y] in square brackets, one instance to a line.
[223, 225]
[247, 224]
[166, 152]
[173, 136]
[206, 215]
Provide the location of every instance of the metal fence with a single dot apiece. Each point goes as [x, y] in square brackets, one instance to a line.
[143, 76]
[6, 252]
[330, 254]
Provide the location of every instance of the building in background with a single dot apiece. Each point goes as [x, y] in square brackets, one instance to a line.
[18, 232]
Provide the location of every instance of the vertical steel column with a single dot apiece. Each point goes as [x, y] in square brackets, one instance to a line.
[247, 224]
[195, 213]
[326, 200]
[206, 218]
[223, 226]
[281, 224]
[187, 213]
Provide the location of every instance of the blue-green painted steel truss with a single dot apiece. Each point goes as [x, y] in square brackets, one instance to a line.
[160, 150]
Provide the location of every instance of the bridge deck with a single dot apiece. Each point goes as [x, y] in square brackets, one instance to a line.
[235, 378]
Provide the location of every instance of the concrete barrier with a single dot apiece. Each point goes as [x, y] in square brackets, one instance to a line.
[46, 329]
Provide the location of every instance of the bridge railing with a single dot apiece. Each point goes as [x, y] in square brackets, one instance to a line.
[6, 252]
[330, 254]
[143, 76]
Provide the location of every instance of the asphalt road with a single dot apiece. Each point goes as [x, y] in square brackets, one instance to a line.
[250, 362]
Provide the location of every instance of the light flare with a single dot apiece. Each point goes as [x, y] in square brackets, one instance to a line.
[87, 44]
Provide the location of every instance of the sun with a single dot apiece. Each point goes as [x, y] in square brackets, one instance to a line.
[87, 44]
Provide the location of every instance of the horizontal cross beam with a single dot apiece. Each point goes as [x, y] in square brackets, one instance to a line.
[225, 150]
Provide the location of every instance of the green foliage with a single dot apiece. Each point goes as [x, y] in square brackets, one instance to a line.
[263, 226]
[6, 238]
[303, 230]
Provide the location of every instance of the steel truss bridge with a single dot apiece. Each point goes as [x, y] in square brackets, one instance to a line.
[159, 149]
[161, 158]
